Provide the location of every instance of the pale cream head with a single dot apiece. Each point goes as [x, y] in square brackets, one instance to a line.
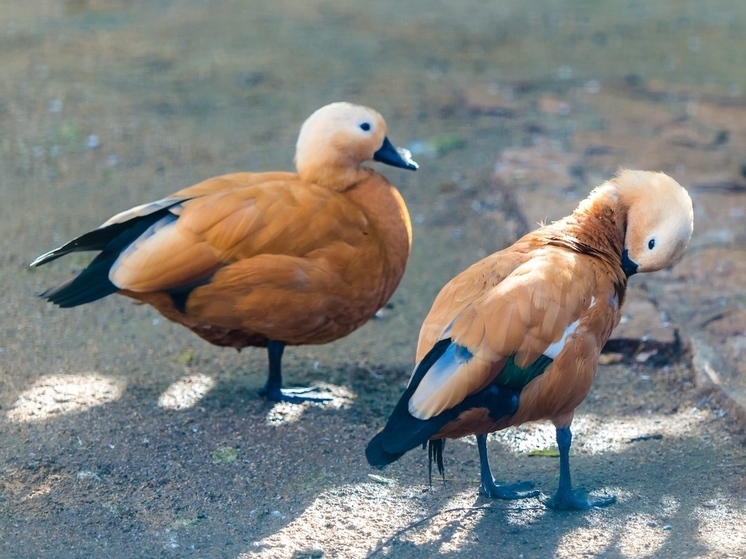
[660, 218]
[334, 140]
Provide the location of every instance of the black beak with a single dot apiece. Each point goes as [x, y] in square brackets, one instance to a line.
[629, 267]
[394, 156]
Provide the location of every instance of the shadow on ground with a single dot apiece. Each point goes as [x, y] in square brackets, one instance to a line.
[124, 436]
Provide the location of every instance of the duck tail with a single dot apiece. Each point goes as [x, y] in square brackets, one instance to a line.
[435, 454]
[403, 432]
[93, 282]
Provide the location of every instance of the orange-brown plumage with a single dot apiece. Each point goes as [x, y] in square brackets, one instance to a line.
[276, 247]
[517, 336]
[252, 259]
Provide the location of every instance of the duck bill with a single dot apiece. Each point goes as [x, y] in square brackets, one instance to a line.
[628, 266]
[394, 156]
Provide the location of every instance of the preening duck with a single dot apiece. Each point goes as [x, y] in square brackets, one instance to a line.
[517, 336]
[264, 259]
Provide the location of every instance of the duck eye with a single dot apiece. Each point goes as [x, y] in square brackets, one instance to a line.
[651, 244]
[365, 126]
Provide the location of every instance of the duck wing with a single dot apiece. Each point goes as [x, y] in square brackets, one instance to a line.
[183, 239]
[508, 334]
[467, 287]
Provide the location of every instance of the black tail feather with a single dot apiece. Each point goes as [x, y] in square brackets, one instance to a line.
[435, 454]
[93, 282]
[90, 285]
[403, 432]
[376, 455]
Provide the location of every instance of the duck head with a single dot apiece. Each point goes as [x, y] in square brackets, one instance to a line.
[660, 220]
[337, 138]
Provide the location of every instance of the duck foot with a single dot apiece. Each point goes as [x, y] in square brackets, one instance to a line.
[488, 487]
[292, 395]
[576, 500]
[272, 389]
[520, 490]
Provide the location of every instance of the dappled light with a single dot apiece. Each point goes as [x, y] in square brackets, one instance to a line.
[283, 413]
[669, 505]
[584, 541]
[43, 489]
[452, 531]
[596, 434]
[137, 430]
[186, 392]
[645, 534]
[55, 395]
[720, 527]
[366, 508]
[642, 535]
[525, 516]
[14, 487]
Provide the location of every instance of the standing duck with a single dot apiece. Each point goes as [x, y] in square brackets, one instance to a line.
[517, 336]
[264, 259]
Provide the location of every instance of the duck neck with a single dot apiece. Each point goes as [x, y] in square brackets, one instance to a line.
[597, 228]
[597, 233]
[331, 174]
[388, 216]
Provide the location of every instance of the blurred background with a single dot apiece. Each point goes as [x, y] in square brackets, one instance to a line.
[514, 111]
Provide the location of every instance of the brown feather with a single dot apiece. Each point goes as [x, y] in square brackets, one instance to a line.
[517, 336]
[564, 279]
[284, 246]
[299, 258]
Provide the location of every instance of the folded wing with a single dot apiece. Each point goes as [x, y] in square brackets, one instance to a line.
[506, 335]
[184, 239]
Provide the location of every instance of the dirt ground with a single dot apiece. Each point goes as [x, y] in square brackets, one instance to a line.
[122, 435]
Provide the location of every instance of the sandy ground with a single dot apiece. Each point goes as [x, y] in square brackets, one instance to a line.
[122, 435]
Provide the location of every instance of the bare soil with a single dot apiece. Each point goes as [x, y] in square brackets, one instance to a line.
[122, 435]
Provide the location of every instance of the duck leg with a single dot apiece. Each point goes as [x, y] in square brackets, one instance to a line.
[273, 390]
[488, 487]
[566, 498]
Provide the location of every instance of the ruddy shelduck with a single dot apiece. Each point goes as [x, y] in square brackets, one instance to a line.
[264, 259]
[517, 336]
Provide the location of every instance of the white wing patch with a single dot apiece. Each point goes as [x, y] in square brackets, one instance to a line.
[436, 384]
[168, 220]
[446, 334]
[554, 350]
